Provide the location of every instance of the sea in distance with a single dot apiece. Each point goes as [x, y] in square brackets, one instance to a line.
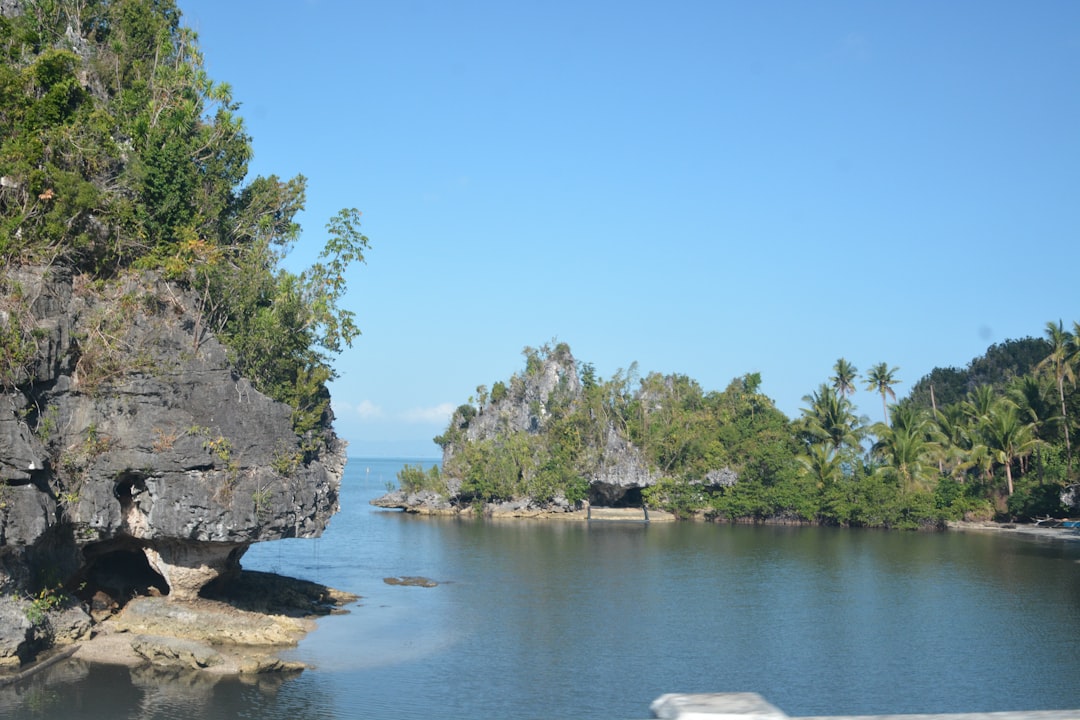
[549, 619]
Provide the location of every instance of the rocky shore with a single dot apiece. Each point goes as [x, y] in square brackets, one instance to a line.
[239, 628]
[432, 505]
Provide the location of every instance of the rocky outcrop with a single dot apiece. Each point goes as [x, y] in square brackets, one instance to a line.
[616, 473]
[133, 458]
[572, 433]
[427, 502]
[622, 469]
[524, 407]
[238, 629]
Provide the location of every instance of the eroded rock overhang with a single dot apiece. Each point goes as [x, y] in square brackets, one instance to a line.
[129, 431]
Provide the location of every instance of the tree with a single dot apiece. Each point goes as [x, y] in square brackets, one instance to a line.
[880, 379]
[1036, 403]
[752, 382]
[907, 446]
[1033, 399]
[998, 366]
[940, 387]
[1007, 437]
[124, 155]
[979, 403]
[844, 378]
[822, 464]
[830, 419]
[1060, 362]
[958, 449]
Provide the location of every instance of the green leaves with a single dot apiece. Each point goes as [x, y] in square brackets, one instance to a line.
[412, 479]
[880, 379]
[830, 419]
[117, 150]
[683, 433]
[324, 282]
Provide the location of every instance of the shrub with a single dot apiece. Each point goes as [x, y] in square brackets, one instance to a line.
[413, 478]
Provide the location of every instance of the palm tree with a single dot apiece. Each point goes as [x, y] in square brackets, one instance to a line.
[958, 449]
[1033, 398]
[979, 403]
[822, 464]
[830, 419]
[880, 379]
[1008, 437]
[908, 447]
[844, 379]
[1063, 346]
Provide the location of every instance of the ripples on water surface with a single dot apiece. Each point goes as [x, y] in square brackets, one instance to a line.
[572, 620]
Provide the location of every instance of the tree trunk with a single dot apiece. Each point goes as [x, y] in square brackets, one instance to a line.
[1065, 424]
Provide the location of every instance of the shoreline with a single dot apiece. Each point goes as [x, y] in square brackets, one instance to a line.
[611, 514]
[1024, 529]
[205, 636]
[239, 631]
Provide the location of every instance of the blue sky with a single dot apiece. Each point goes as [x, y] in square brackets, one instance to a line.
[704, 187]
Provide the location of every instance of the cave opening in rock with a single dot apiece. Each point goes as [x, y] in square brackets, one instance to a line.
[128, 485]
[615, 497]
[630, 499]
[119, 571]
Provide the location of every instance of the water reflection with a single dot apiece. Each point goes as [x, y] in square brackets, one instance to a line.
[574, 620]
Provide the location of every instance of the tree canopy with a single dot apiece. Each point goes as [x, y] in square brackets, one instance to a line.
[1000, 450]
[119, 153]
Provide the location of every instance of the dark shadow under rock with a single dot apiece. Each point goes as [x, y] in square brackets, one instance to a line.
[263, 592]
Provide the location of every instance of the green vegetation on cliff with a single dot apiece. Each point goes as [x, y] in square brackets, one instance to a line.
[999, 446]
[118, 153]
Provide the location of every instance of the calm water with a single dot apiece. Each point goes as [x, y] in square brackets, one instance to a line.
[569, 620]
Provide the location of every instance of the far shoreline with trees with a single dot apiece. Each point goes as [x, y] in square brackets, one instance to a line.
[990, 441]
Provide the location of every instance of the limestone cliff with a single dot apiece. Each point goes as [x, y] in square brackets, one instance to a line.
[133, 459]
[614, 470]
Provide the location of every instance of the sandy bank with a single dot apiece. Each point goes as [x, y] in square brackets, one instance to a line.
[1024, 529]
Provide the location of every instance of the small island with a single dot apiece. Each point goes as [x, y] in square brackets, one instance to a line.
[981, 445]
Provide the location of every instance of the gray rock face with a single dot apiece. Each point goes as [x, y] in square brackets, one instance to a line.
[168, 651]
[1070, 498]
[11, 8]
[616, 470]
[128, 430]
[620, 467]
[524, 408]
[425, 501]
[21, 454]
[16, 633]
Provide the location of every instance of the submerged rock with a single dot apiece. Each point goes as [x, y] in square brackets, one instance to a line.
[411, 581]
[167, 651]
